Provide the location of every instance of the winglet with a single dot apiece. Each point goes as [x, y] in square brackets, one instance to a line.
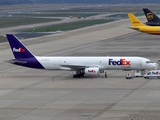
[135, 21]
[19, 50]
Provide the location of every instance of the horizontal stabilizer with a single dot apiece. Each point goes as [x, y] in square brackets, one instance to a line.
[14, 61]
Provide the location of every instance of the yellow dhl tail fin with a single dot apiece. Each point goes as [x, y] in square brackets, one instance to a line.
[134, 20]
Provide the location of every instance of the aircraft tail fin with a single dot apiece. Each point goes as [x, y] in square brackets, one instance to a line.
[19, 50]
[135, 21]
[151, 17]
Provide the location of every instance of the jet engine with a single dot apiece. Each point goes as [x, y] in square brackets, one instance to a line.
[92, 71]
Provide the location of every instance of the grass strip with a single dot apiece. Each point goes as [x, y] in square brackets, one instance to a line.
[15, 21]
[69, 26]
[57, 15]
[3, 39]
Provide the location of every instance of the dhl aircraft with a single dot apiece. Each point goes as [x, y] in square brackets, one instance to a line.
[153, 20]
[82, 65]
[138, 25]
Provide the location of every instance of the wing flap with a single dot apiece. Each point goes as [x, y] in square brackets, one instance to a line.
[75, 66]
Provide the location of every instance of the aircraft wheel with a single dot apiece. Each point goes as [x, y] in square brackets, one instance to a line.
[78, 76]
[82, 75]
[74, 76]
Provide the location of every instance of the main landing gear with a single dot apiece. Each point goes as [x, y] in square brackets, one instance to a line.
[78, 74]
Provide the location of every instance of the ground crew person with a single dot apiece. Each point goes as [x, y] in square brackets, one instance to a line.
[105, 74]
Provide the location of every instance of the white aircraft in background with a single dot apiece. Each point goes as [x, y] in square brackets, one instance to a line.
[82, 65]
[66, 18]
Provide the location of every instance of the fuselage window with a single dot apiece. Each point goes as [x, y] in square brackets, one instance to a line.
[149, 62]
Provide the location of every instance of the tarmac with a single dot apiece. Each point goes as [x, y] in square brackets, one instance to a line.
[31, 94]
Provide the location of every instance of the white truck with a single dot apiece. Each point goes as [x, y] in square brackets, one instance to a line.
[139, 73]
[153, 74]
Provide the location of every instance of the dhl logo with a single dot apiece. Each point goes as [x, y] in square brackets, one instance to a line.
[136, 22]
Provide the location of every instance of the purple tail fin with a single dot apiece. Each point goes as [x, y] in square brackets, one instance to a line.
[18, 49]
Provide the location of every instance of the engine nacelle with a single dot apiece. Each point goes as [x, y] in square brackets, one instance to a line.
[92, 71]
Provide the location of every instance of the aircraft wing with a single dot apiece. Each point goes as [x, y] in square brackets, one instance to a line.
[77, 66]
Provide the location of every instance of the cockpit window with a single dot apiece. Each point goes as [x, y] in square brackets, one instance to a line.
[149, 62]
[149, 73]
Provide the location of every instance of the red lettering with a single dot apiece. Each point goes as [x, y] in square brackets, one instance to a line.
[20, 49]
[128, 63]
[123, 62]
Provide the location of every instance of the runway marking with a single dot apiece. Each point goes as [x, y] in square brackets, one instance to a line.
[73, 50]
[8, 68]
[136, 118]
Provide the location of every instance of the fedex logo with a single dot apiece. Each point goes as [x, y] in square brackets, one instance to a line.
[122, 62]
[18, 50]
[91, 71]
[156, 73]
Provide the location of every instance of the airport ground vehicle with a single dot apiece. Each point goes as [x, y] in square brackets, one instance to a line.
[153, 74]
[129, 76]
[139, 73]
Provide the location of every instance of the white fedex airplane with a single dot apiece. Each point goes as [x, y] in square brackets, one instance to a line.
[82, 65]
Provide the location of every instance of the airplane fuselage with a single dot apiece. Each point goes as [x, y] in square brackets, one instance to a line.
[103, 63]
[148, 29]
